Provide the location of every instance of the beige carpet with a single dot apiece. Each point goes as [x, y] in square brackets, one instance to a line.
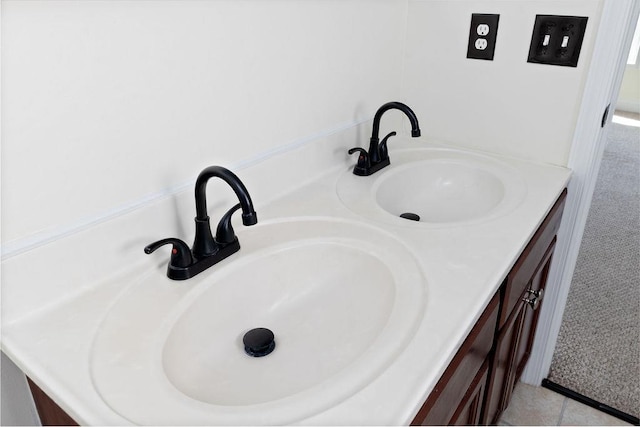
[598, 350]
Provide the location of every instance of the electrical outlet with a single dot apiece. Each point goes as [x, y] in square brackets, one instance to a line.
[482, 36]
[557, 40]
[482, 29]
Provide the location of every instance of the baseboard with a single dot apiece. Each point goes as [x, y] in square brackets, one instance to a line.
[590, 402]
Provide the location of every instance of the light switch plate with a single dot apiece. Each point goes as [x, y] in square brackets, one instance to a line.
[557, 40]
[482, 36]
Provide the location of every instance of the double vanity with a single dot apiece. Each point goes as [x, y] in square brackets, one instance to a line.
[409, 295]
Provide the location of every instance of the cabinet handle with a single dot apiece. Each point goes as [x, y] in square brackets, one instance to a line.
[533, 302]
[536, 300]
[538, 294]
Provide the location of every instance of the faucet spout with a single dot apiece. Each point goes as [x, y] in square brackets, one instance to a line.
[394, 105]
[249, 216]
[204, 244]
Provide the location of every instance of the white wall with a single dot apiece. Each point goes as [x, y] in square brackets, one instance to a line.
[629, 96]
[506, 105]
[106, 103]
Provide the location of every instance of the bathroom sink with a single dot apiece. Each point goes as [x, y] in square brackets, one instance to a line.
[341, 298]
[442, 187]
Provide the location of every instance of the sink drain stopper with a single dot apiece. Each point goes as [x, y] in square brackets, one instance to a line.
[258, 342]
[411, 216]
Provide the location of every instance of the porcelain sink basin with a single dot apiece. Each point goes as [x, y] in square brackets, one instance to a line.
[443, 187]
[342, 299]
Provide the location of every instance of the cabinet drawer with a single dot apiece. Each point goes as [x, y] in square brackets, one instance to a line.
[458, 378]
[530, 258]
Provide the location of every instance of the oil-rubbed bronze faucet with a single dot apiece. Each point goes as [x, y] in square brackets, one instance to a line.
[207, 250]
[378, 155]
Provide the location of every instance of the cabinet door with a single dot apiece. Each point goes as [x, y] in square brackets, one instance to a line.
[533, 296]
[461, 382]
[498, 389]
[515, 340]
[469, 411]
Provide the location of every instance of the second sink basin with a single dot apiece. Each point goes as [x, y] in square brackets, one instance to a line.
[342, 299]
[440, 186]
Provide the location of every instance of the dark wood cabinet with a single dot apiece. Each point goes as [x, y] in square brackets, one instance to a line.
[49, 412]
[532, 301]
[469, 410]
[482, 400]
[515, 340]
[459, 394]
[522, 295]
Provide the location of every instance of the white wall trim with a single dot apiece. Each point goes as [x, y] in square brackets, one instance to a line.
[602, 86]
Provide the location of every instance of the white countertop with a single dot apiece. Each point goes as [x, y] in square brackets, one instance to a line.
[464, 266]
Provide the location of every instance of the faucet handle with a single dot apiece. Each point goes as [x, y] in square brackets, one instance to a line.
[382, 147]
[364, 163]
[224, 232]
[180, 253]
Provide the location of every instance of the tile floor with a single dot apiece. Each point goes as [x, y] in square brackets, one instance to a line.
[540, 406]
